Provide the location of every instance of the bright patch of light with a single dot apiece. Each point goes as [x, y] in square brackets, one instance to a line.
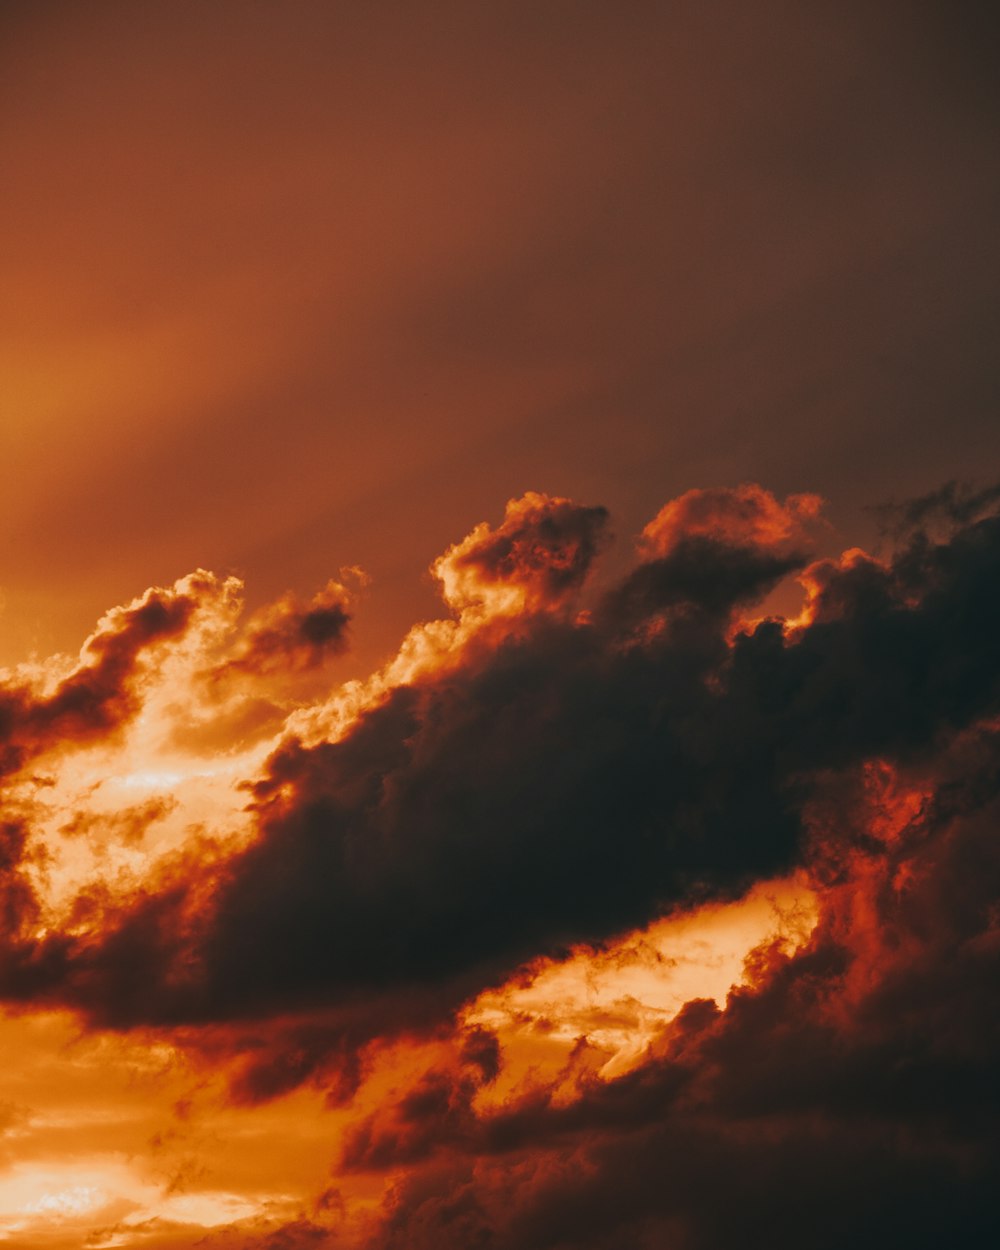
[621, 997]
[73, 1201]
[208, 1209]
[153, 781]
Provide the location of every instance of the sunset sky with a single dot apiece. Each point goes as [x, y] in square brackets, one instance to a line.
[500, 705]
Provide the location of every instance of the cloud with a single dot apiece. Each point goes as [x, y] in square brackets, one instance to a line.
[51, 712]
[709, 550]
[542, 792]
[539, 555]
[954, 503]
[100, 693]
[849, 1092]
[746, 517]
[560, 766]
[560, 782]
[293, 636]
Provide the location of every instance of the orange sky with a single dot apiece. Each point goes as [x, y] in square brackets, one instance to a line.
[292, 288]
[467, 730]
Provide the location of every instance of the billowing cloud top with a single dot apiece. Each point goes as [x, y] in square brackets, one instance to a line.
[537, 558]
[747, 518]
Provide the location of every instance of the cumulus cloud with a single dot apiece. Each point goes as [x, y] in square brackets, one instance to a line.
[291, 635]
[709, 551]
[544, 781]
[848, 1094]
[562, 785]
[536, 558]
[746, 517]
[100, 692]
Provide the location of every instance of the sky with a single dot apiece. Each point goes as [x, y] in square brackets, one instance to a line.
[499, 705]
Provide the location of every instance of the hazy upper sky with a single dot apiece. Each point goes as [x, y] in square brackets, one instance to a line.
[293, 286]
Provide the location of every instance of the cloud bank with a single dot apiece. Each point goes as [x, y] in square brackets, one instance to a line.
[340, 874]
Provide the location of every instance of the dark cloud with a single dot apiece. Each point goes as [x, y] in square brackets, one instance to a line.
[291, 635]
[709, 550]
[746, 517]
[19, 907]
[700, 578]
[953, 503]
[849, 1096]
[434, 1113]
[100, 694]
[577, 777]
[124, 827]
[542, 552]
[570, 774]
[279, 1058]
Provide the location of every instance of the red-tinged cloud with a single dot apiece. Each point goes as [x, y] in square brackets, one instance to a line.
[555, 779]
[709, 552]
[833, 586]
[954, 503]
[746, 517]
[536, 558]
[430, 1116]
[574, 780]
[97, 696]
[293, 636]
[849, 1094]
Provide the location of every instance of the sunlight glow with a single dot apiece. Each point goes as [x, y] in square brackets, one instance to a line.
[619, 998]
